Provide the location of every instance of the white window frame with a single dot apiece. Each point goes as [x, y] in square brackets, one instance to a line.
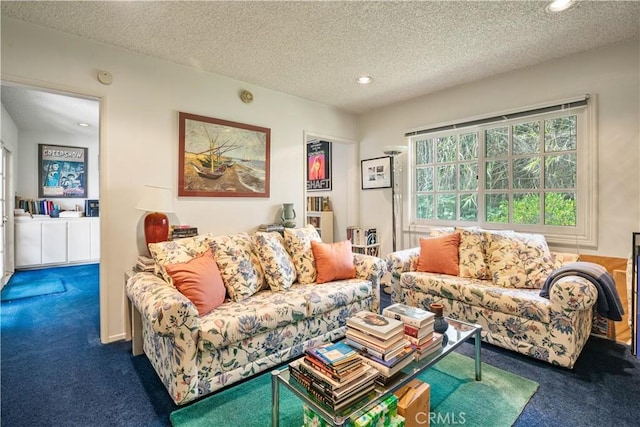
[583, 235]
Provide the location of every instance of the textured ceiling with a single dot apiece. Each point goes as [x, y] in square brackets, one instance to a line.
[316, 49]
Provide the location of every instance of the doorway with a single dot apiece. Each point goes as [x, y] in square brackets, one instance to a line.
[33, 116]
[345, 182]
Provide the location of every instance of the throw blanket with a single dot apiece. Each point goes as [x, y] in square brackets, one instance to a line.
[608, 304]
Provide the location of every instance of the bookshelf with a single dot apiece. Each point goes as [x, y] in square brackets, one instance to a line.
[323, 222]
[364, 240]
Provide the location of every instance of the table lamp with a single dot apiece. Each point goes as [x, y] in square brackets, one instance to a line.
[157, 201]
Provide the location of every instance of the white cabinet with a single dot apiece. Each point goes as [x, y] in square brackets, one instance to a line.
[48, 241]
[54, 242]
[79, 241]
[29, 250]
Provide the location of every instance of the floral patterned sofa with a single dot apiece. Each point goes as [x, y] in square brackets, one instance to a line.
[500, 275]
[272, 312]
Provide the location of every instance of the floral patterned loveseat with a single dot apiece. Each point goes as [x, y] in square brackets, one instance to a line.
[498, 287]
[266, 318]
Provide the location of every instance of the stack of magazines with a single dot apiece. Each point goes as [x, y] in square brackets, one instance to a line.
[334, 375]
[381, 342]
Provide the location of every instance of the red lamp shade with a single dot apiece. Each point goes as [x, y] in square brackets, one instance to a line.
[156, 201]
[156, 227]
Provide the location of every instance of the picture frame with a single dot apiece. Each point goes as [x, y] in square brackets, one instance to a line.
[376, 173]
[319, 166]
[62, 171]
[221, 158]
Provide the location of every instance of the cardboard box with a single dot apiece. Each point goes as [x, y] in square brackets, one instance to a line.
[414, 404]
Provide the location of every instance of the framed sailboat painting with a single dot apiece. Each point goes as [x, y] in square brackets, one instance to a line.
[220, 158]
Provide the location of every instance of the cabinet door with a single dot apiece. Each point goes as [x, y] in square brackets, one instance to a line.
[28, 243]
[54, 242]
[79, 240]
[95, 239]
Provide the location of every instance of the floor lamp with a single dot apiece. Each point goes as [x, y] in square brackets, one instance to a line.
[394, 151]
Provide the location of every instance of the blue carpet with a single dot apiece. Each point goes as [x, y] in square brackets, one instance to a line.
[14, 291]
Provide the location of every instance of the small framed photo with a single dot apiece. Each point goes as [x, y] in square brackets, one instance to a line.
[376, 173]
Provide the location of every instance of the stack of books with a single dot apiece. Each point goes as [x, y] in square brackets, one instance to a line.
[334, 374]
[181, 231]
[381, 342]
[418, 328]
[144, 264]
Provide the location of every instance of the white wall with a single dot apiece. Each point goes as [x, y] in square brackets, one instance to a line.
[612, 73]
[27, 171]
[139, 139]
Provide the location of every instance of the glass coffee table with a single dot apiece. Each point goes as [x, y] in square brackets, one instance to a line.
[457, 333]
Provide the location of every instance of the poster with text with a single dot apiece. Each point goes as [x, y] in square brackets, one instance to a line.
[318, 166]
[62, 171]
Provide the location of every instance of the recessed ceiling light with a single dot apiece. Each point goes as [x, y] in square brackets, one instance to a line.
[364, 80]
[84, 125]
[560, 5]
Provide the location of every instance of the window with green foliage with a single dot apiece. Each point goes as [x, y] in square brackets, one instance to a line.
[521, 173]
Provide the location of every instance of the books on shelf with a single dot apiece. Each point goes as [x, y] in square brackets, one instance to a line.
[362, 236]
[375, 325]
[318, 204]
[412, 316]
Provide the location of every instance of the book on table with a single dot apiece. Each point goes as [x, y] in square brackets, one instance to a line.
[377, 344]
[375, 325]
[419, 341]
[413, 316]
[343, 374]
[333, 395]
[429, 347]
[416, 332]
[333, 354]
[389, 370]
[364, 347]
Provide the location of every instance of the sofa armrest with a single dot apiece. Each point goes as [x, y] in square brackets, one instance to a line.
[372, 269]
[168, 311]
[572, 293]
[400, 262]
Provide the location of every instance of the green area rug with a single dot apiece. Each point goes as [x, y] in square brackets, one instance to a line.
[456, 399]
[33, 288]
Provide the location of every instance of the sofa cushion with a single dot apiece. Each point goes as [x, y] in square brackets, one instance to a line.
[334, 261]
[179, 250]
[329, 296]
[518, 260]
[238, 264]
[199, 280]
[526, 303]
[279, 271]
[265, 311]
[298, 244]
[472, 253]
[439, 255]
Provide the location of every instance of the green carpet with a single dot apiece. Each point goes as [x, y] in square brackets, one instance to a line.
[456, 399]
[32, 289]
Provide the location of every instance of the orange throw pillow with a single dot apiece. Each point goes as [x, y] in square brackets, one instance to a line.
[199, 280]
[440, 255]
[334, 261]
